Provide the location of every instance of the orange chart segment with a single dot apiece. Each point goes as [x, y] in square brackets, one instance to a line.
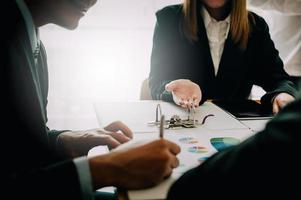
[188, 140]
[197, 149]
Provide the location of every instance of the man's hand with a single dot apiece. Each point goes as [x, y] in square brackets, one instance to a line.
[136, 168]
[78, 143]
[185, 93]
[280, 101]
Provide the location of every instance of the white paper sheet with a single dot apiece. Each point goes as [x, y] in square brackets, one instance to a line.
[255, 125]
[156, 193]
[187, 139]
[195, 142]
[137, 115]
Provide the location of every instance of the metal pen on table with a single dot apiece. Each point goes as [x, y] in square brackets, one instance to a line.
[161, 131]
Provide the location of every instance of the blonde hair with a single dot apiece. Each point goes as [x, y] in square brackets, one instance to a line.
[240, 27]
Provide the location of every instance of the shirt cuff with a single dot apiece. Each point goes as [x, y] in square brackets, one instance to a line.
[84, 175]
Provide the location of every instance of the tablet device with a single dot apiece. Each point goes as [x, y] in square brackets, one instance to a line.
[244, 109]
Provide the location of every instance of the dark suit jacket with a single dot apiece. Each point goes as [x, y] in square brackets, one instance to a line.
[30, 167]
[265, 166]
[174, 57]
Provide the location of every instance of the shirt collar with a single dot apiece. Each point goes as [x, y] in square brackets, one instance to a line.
[31, 29]
[208, 19]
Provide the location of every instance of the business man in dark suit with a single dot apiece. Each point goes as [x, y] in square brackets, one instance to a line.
[266, 166]
[206, 49]
[38, 163]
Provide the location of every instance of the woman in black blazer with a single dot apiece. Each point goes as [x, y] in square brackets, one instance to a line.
[191, 62]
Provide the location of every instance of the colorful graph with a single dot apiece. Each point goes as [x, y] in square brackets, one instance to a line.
[197, 149]
[188, 140]
[202, 159]
[224, 142]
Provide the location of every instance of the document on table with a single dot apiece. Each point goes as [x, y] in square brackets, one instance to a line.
[156, 193]
[137, 115]
[255, 125]
[196, 146]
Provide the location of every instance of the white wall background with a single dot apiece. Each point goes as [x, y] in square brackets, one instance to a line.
[105, 59]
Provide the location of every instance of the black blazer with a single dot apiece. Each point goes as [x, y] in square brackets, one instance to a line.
[30, 167]
[174, 57]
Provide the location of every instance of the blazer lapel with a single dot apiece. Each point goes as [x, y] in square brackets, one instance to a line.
[208, 76]
[231, 68]
[33, 72]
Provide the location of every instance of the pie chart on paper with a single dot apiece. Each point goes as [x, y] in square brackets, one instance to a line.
[197, 149]
[224, 142]
[188, 140]
[202, 159]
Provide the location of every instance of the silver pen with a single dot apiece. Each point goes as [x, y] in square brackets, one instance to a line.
[161, 131]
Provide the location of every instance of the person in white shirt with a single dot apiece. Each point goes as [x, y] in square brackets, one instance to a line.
[215, 49]
[284, 19]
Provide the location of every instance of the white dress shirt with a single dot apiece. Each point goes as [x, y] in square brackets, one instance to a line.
[217, 33]
[284, 19]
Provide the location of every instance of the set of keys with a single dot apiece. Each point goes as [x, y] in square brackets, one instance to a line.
[175, 122]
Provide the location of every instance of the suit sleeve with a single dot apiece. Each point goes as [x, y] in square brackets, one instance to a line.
[43, 74]
[263, 164]
[161, 61]
[59, 181]
[271, 75]
[29, 170]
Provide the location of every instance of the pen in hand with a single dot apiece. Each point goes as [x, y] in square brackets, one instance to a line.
[161, 131]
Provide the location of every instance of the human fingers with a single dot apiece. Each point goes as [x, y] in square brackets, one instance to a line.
[285, 100]
[187, 103]
[172, 147]
[174, 161]
[119, 126]
[196, 100]
[119, 137]
[192, 103]
[167, 173]
[275, 107]
[109, 141]
[184, 103]
[177, 98]
[282, 103]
